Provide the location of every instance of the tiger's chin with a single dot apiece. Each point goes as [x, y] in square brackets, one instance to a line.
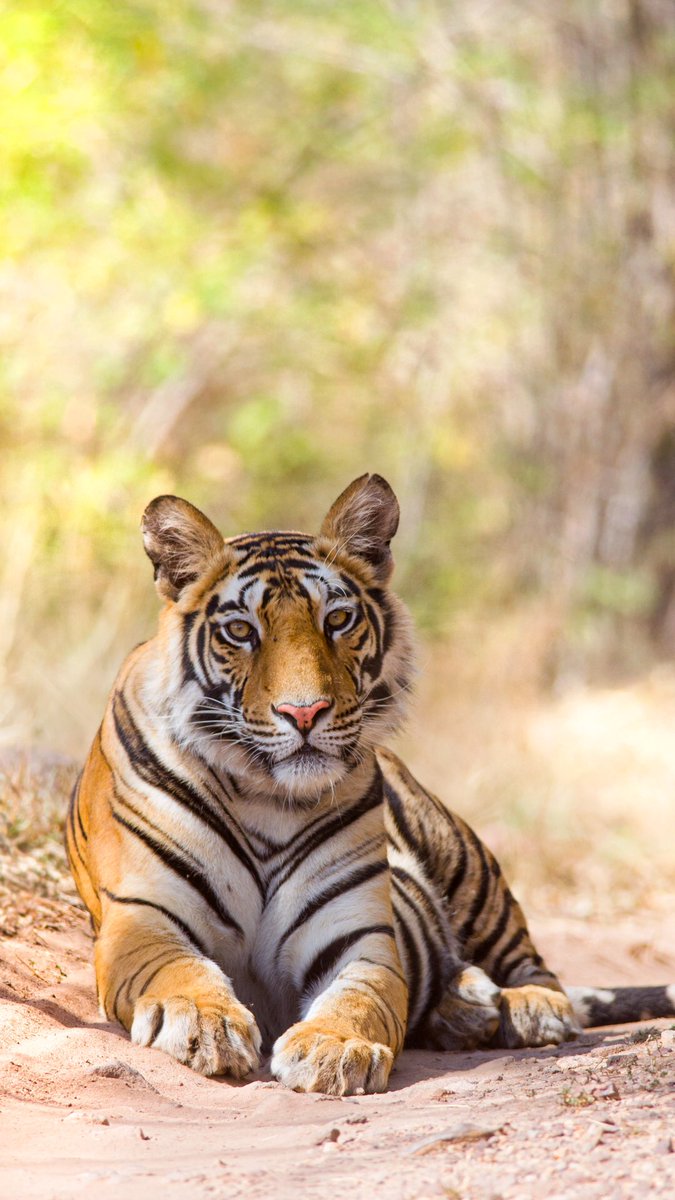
[308, 773]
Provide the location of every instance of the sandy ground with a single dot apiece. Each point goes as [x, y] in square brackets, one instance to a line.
[85, 1113]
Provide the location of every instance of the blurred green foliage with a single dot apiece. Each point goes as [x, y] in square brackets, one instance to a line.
[251, 249]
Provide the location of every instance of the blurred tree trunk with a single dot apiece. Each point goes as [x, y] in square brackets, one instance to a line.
[606, 425]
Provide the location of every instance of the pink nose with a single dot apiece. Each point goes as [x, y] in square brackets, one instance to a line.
[302, 715]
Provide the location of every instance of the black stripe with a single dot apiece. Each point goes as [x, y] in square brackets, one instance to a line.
[362, 640]
[380, 598]
[389, 627]
[322, 962]
[497, 972]
[159, 966]
[379, 695]
[200, 650]
[301, 564]
[73, 851]
[373, 665]
[417, 840]
[325, 831]
[454, 838]
[182, 925]
[349, 584]
[339, 888]
[270, 541]
[483, 948]
[85, 836]
[435, 965]
[185, 870]
[381, 1005]
[413, 973]
[379, 998]
[145, 822]
[396, 808]
[189, 673]
[430, 916]
[482, 893]
[459, 870]
[75, 805]
[219, 783]
[231, 605]
[153, 771]
[301, 590]
[257, 568]
[70, 821]
[166, 956]
[244, 590]
[151, 976]
[387, 967]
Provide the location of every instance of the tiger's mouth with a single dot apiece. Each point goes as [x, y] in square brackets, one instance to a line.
[303, 773]
[308, 770]
[306, 753]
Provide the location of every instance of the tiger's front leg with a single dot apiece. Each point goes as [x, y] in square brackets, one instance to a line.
[151, 979]
[353, 1029]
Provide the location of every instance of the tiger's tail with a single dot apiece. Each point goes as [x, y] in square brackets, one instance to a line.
[621, 1005]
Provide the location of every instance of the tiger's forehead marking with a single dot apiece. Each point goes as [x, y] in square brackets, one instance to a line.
[277, 564]
[273, 544]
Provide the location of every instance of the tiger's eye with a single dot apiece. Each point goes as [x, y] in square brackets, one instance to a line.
[338, 618]
[241, 631]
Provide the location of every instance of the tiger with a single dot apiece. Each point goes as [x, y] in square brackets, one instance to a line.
[262, 874]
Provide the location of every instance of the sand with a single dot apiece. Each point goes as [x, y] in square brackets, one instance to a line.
[85, 1113]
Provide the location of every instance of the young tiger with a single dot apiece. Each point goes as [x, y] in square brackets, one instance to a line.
[259, 871]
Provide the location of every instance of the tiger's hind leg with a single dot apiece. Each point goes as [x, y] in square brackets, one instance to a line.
[475, 1012]
[535, 1016]
[533, 1008]
[467, 1016]
[498, 990]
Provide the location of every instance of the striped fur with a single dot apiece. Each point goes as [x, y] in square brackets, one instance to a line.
[260, 873]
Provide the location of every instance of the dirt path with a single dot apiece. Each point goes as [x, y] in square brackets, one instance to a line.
[84, 1113]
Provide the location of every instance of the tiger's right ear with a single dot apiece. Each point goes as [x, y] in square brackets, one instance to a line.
[180, 543]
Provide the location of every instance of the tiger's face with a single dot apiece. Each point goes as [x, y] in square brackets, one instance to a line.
[286, 655]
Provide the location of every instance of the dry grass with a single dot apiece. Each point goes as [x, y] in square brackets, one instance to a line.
[34, 788]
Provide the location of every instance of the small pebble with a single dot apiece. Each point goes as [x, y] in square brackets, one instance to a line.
[332, 1136]
[93, 1118]
[625, 1059]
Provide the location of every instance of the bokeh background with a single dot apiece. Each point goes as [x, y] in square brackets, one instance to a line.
[252, 249]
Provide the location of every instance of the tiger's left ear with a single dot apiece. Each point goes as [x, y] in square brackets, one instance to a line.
[363, 521]
[180, 543]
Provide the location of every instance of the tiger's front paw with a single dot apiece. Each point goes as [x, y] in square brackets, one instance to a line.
[216, 1037]
[310, 1057]
[535, 1016]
